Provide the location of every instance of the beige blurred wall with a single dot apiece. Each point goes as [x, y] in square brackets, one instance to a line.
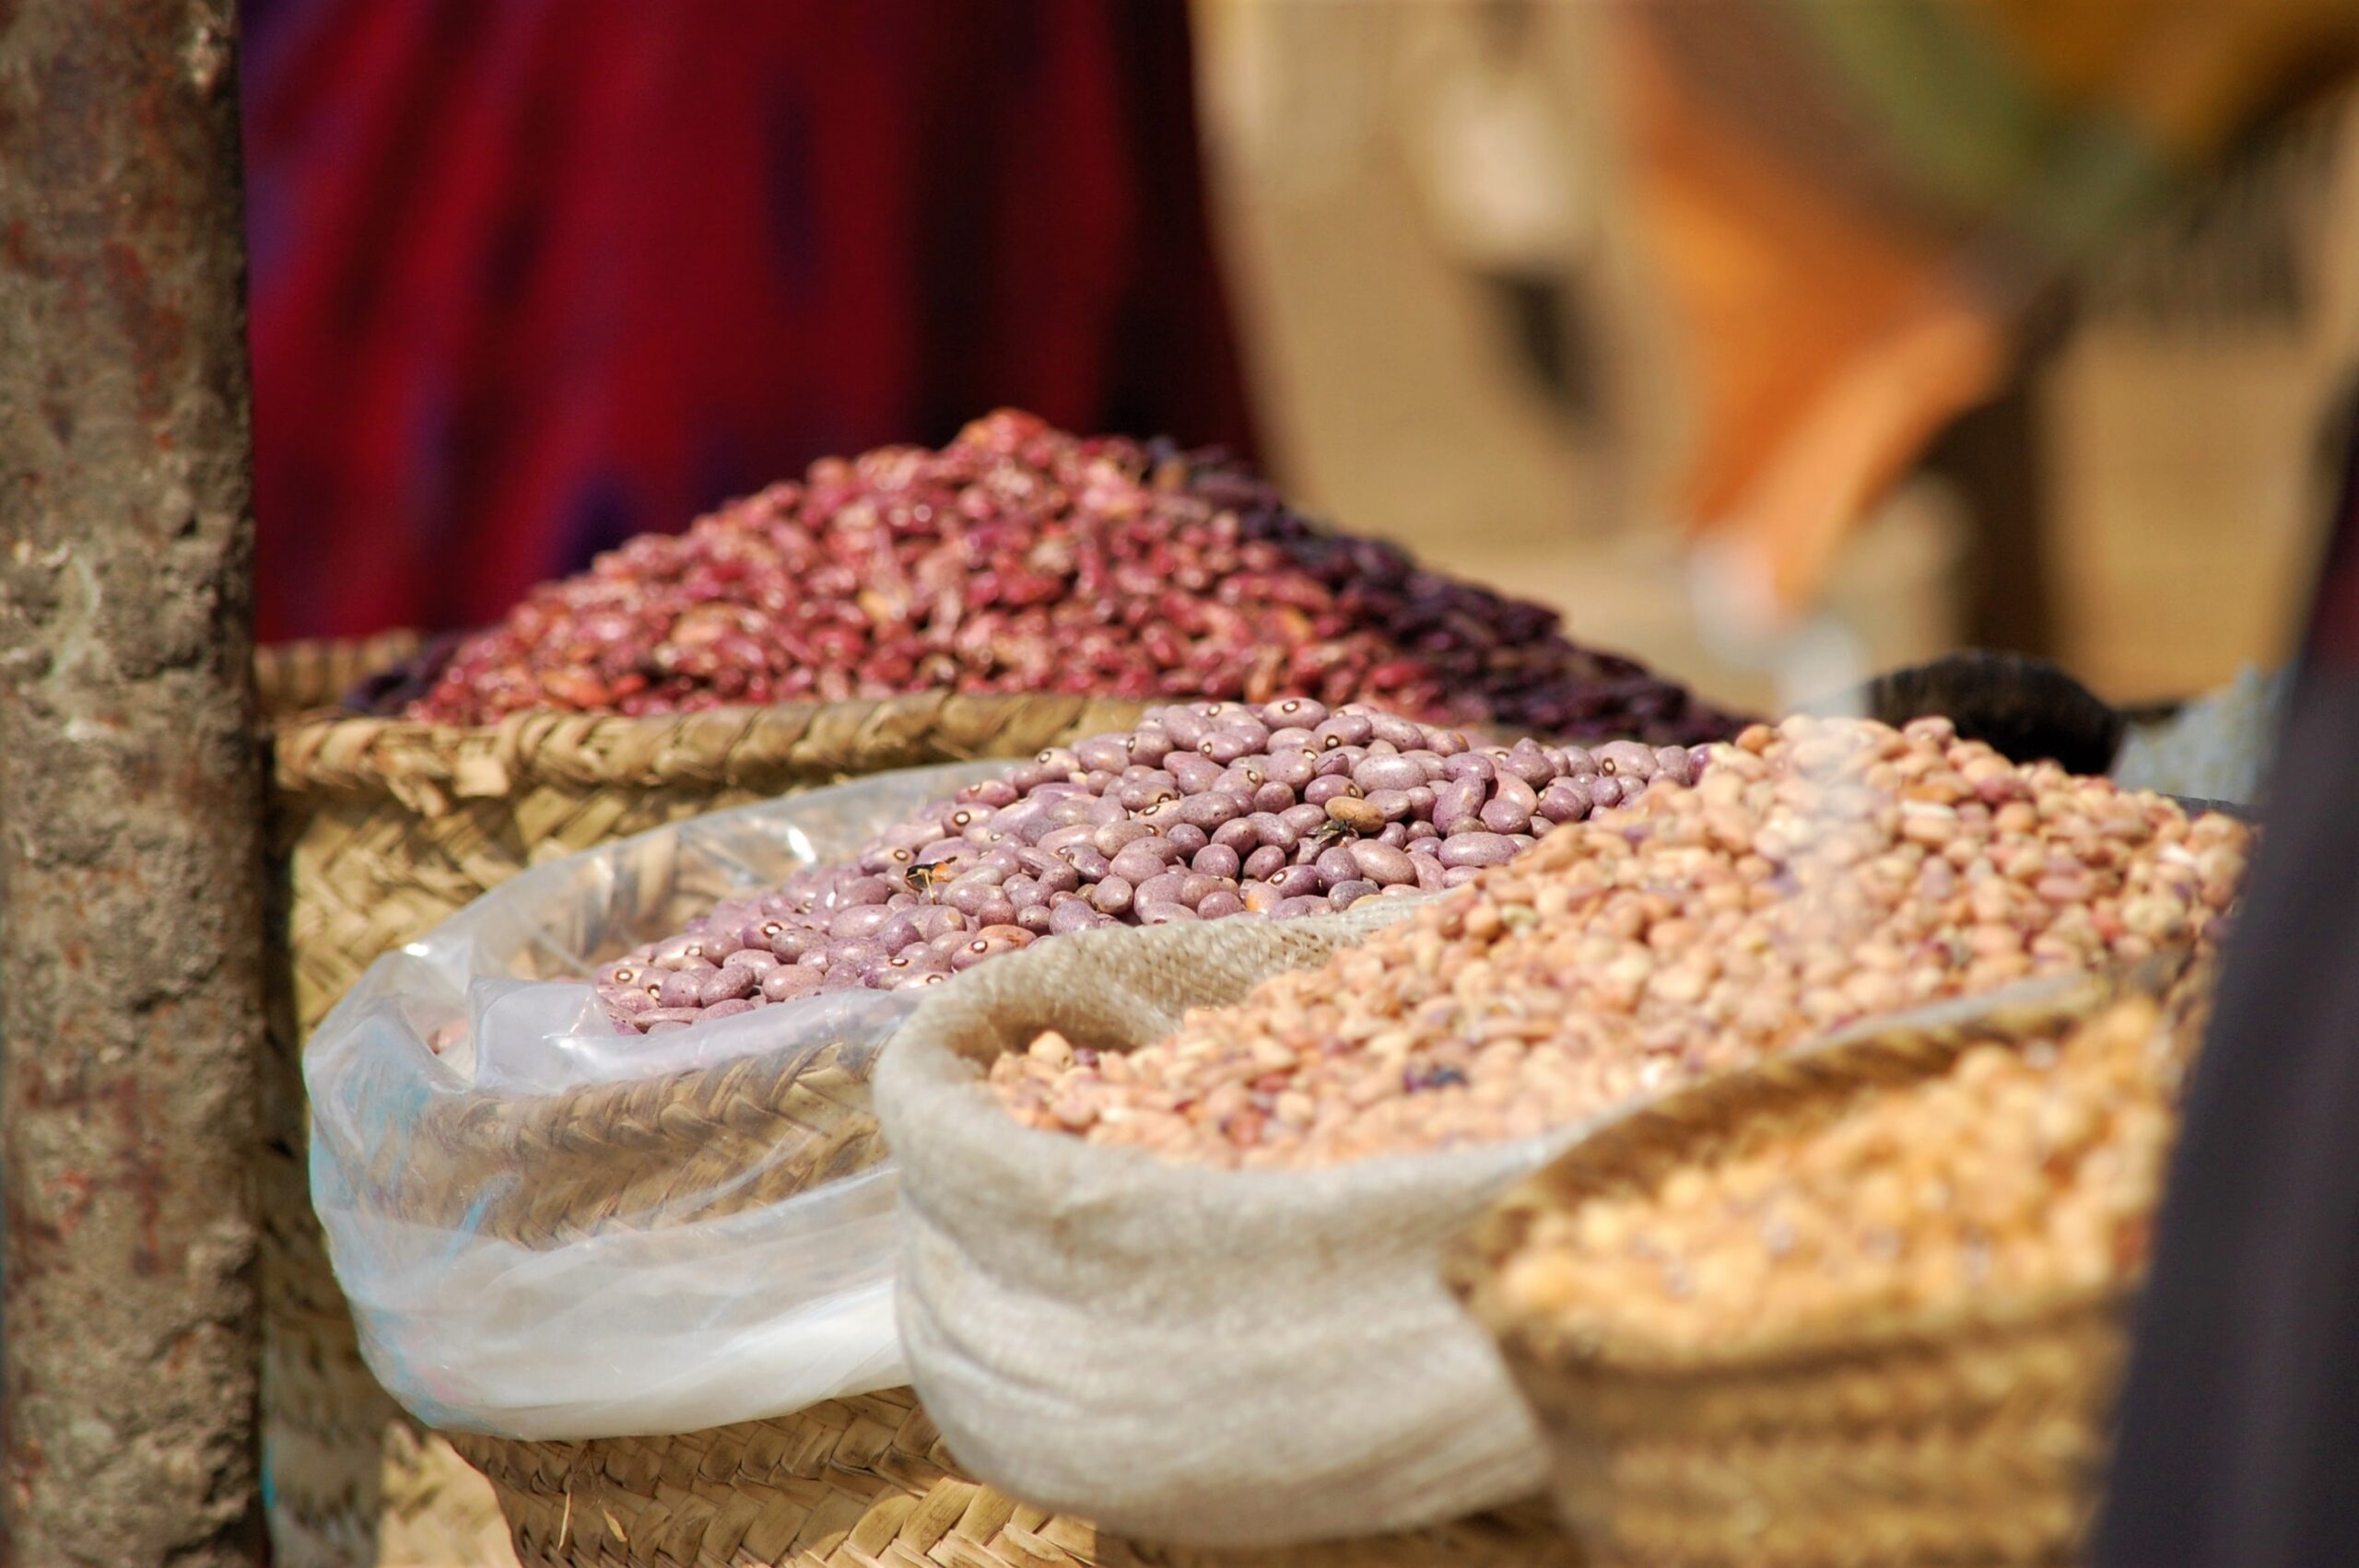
[2186, 473]
[1371, 161]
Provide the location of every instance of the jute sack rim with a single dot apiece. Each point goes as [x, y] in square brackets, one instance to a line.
[962, 1019]
[431, 766]
[1635, 1148]
[1898, 1047]
[1122, 1260]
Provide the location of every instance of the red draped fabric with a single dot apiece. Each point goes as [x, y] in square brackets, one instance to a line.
[532, 275]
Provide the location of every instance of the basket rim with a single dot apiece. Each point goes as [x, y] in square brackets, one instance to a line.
[326, 753]
[1628, 1148]
[299, 678]
[337, 753]
[1877, 1335]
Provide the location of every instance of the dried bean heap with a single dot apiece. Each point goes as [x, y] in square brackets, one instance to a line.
[1023, 559]
[1820, 873]
[1285, 808]
[2017, 1175]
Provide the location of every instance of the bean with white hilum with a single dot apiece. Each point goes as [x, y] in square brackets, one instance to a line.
[1283, 808]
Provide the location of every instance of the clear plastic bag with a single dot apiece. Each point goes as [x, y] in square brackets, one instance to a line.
[551, 1229]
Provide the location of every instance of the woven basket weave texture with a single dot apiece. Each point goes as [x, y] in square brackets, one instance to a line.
[1971, 1435]
[351, 1481]
[864, 1483]
[381, 830]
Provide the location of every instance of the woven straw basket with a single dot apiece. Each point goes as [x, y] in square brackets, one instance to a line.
[864, 1483]
[381, 830]
[348, 1481]
[861, 1481]
[1972, 1435]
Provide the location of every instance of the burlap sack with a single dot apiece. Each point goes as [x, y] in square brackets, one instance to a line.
[1208, 1358]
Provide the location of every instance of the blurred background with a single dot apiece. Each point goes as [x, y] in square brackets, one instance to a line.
[1538, 289]
[1458, 335]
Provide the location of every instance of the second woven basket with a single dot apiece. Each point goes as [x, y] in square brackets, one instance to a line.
[1969, 1436]
[381, 828]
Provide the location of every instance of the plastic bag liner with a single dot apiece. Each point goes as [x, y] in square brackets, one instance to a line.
[1207, 1358]
[553, 1228]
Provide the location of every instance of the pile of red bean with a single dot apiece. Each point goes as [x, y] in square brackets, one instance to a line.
[1020, 559]
[1285, 808]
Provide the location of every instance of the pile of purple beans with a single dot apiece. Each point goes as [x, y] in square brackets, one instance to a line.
[1020, 559]
[1289, 808]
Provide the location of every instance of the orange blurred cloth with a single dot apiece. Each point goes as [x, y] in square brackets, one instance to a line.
[1852, 205]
